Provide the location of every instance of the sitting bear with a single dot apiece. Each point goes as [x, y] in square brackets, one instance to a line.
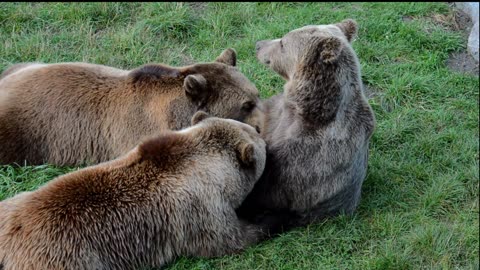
[317, 131]
[173, 195]
[79, 113]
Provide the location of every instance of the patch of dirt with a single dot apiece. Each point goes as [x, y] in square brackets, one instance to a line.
[456, 20]
[407, 18]
[463, 62]
[198, 7]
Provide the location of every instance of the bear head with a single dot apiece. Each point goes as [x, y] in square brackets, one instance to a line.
[217, 88]
[306, 46]
[232, 151]
[239, 145]
[320, 67]
[221, 90]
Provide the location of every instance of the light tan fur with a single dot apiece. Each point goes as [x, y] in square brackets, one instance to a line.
[173, 195]
[80, 113]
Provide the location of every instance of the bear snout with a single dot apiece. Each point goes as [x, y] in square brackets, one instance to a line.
[259, 44]
[261, 52]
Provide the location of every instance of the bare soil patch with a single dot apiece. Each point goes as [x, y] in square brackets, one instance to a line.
[462, 61]
[198, 7]
[455, 21]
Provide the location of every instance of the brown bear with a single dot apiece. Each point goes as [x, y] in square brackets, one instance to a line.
[79, 113]
[173, 195]
[317, 131]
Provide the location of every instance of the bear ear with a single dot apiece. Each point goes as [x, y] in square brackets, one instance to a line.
[246, 154]
[349, 27]
[331, 48]
[199, 117]
[195, 86]
[228, 57]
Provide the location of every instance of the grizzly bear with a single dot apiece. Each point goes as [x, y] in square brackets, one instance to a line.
[79, 113]
[173, 195]
[317, 131]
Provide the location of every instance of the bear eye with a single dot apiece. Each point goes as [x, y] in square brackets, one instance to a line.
[248, 106]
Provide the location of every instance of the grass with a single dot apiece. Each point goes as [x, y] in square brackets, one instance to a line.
[420, 204]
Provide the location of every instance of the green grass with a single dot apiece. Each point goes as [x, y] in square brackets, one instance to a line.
[420, 204]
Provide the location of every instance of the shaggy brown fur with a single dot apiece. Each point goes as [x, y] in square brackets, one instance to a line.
[76, 113]
[317, 131]
[173, 195]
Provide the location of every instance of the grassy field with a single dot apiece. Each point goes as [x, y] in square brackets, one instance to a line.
[420, 204]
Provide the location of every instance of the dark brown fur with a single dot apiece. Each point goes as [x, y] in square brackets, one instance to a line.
[77, 113]
[173, 195]
[317, 131]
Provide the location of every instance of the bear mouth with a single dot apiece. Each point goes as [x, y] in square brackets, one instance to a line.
[264, 60]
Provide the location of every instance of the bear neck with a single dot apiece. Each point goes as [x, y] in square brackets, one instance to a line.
[317, 92]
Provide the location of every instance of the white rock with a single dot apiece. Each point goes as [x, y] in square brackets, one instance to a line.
[473, 42]
[472, 9]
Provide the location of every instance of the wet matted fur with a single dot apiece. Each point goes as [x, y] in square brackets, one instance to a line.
[317, 131]
[80, 113]
[173, 195]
